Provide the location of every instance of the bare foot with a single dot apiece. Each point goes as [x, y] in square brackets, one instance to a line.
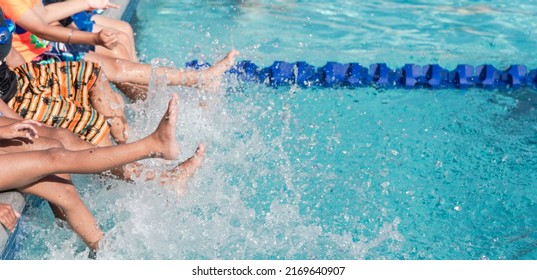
[179, 176]
[211, 78]
[164, 135]
[188, 167]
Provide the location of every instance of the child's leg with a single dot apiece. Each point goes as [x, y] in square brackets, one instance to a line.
[125, 50]
[111, 105]
[125, 34]
[52, 137]
[60, 191]
[128, 172]
[56, 189]
[122, 71]
[28, 167]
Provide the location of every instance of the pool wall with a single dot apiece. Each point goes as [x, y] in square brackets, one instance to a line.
[8, 245]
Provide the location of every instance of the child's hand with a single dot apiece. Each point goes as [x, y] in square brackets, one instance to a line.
[101, 4]
[23, 129]
[8, 216]
[107, 39]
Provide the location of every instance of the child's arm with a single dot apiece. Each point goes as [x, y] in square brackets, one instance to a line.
[60, 10]
[33, 22]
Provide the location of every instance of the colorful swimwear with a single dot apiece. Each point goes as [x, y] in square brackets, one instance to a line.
[26, 43]
[83, 20]
[8, 79]
[6, 29]
[57, 94]
[64, 52]
[73, 52]
[8, 83]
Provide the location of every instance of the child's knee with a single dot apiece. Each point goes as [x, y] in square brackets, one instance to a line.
[70, 198]
[125, 38]
[124, 27]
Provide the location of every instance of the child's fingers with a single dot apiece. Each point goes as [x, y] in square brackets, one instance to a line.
[29, 130]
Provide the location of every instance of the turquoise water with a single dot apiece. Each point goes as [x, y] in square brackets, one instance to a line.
[294, 173]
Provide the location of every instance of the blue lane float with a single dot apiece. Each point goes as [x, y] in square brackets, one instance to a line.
[380, 75]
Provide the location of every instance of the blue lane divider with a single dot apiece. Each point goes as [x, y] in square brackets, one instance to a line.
[379, 75]
[435, 76]
[516, 76]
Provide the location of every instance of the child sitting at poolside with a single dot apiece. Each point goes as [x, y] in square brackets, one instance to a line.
[33, 17]
[28, 169]
[58, 94]
[91, 20]
[73, 95]
[86, 16]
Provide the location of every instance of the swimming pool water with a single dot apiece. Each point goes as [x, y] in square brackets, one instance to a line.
[294, 173]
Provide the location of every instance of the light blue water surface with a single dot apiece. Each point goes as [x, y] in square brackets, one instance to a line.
[294, 173]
